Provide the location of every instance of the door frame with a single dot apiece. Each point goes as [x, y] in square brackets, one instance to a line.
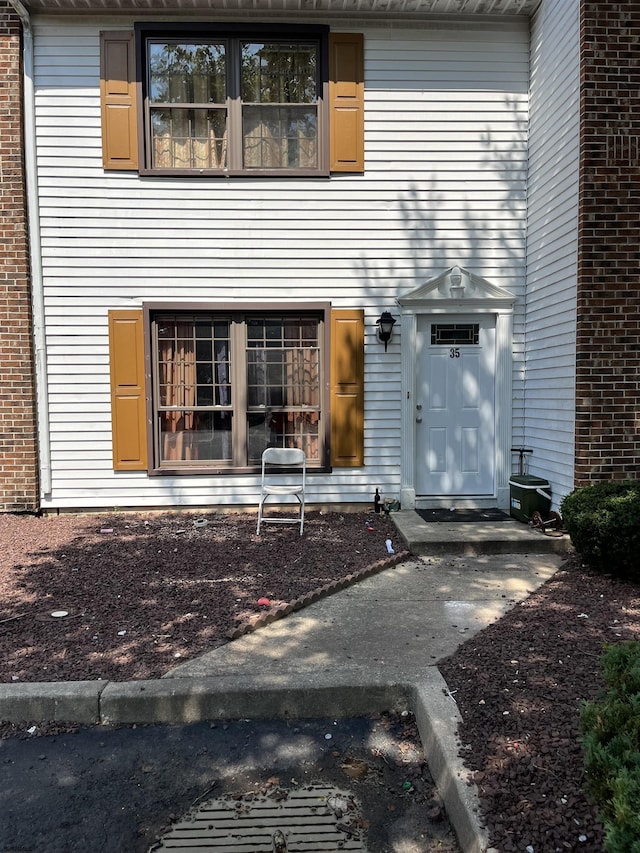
[454, 292]
[454, 408]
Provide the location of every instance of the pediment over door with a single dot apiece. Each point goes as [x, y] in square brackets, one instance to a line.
[457, 289]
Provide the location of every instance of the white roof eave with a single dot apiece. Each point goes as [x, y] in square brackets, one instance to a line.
[360, 9]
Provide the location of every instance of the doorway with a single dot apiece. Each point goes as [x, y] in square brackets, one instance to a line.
[455, 406]
[457, 365]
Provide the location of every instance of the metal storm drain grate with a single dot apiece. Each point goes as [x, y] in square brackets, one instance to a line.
[314, 819]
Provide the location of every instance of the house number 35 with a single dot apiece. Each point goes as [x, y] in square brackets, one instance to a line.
[454, 352]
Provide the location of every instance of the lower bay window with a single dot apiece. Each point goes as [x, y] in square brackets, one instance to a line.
[228, 385]
[199, 389]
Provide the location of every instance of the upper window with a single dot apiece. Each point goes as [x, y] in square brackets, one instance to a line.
[230, 100]
[235, 103]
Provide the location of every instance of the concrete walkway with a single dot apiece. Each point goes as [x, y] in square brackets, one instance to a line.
[400, 621]
[370, 647]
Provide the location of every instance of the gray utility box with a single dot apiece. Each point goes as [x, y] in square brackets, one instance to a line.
[529, 494]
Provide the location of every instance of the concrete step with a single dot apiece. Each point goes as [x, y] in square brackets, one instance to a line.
[469, 538]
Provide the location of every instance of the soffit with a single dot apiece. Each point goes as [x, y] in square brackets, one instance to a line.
[338, 8]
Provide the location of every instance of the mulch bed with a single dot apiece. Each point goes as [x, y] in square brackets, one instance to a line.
[146, 591]
[519, 685]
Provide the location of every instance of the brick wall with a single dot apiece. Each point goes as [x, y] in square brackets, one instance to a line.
[18, 440]
[608, 321]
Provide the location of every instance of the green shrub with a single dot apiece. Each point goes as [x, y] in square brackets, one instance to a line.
[611, 744]
[603, 521]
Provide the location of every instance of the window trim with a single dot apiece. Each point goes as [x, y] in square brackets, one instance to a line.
[275, 309]
[319, 33]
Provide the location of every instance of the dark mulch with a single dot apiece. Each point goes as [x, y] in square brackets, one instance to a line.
[519, 685]
[146, 591]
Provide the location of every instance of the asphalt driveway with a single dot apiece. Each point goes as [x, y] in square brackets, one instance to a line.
[118, 790]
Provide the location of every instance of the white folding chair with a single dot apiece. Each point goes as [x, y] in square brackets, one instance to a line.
[274, 459]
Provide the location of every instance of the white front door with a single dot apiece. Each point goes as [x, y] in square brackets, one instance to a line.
[455, 417]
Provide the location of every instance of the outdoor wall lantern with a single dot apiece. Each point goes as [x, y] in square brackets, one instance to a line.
[385, 324]
[457, 287]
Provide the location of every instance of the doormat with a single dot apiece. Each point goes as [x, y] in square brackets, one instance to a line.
[476, 516]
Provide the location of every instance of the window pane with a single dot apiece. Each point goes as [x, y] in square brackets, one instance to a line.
[189, 139]
[196, 437]
[279, 115]
[193, 370]
[277, 137]
[187, 73]
[282, 378]
[193, 373]
[283, 429]
[283, 362]
[279, 73]
[454, 333]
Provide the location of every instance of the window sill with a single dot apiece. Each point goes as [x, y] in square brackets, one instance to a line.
[203, 471]
[222, 174]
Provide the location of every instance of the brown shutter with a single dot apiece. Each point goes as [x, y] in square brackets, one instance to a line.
[346, 102]
[128, 404]
[118, 100]
[347, 388]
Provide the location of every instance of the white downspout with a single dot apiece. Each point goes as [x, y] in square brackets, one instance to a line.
[37, 296]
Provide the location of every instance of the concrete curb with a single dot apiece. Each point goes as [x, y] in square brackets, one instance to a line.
[188, 700]
[438, 718]
[76, 701]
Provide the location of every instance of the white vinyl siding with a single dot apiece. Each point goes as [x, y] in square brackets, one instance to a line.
[446, 111]
[552, 244]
